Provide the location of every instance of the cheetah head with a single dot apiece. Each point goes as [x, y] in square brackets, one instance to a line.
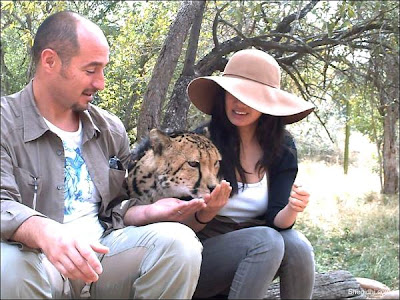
[177, 165]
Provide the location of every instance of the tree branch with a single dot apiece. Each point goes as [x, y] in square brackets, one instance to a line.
[215, 24]
[191, 52]
[284, 25]
[238, 32]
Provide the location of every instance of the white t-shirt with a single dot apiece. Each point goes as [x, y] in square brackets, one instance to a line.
[81, 198]
[248, 203]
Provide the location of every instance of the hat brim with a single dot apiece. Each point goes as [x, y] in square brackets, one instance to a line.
[261, 97]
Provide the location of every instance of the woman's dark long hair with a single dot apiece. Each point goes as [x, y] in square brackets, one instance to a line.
[270, 133]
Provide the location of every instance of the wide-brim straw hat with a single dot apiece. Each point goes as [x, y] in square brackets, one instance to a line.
[253, 77]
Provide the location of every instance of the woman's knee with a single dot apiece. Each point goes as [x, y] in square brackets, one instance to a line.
[264, 239]
[296, 242]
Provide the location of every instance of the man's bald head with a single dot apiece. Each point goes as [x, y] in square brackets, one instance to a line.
[59, 32]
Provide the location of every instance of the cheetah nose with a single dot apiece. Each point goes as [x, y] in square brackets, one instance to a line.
[211, 187]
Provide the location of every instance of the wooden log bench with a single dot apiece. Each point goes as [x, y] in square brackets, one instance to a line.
[342, 284]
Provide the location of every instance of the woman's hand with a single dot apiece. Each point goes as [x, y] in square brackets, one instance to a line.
[215, 201]
[218, 197]
[299, 198]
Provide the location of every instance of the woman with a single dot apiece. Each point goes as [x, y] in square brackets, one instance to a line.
[248, 240]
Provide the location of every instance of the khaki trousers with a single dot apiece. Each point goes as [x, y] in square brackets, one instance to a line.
[156, 261]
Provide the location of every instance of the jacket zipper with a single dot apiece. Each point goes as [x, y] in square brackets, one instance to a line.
[35, 188]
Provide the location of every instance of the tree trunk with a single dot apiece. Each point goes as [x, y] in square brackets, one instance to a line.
[163, 71]
[390, 153]
[388, 88]
[129, 118]
[332, 285]
[390, 99]
[175, 117]
[129, 109]
[347, 139]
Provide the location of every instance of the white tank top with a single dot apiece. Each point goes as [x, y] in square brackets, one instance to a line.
[248, 203]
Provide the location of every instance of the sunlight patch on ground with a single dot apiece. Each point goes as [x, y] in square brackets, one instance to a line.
[334, 194]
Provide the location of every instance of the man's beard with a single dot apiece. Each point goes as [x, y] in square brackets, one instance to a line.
[79, 107]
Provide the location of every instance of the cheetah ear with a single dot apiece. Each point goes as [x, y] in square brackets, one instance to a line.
[206, 132]
[203, 130]
[158, 141]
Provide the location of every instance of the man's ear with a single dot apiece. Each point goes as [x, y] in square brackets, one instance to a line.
[49, 60]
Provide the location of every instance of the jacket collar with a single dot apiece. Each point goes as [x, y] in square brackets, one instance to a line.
[90, 129]
[34, 125]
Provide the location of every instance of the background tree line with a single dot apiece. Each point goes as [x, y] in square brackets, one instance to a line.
[340, 55]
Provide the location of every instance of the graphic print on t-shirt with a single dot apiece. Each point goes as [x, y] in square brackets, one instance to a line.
[81, 198]
[78, 183]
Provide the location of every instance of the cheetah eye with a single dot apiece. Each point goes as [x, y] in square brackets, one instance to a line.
[194, 164]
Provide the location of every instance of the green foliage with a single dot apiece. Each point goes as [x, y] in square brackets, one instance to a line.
[15, 66]
[134, 51]
[330, 77]
[19, 22]
[366, 117]
[135, 30]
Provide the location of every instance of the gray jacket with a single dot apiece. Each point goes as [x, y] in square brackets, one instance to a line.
[32, 163]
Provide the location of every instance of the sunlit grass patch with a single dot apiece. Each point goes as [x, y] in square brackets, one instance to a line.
[350, 224]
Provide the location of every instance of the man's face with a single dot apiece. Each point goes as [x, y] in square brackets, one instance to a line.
[78, 81]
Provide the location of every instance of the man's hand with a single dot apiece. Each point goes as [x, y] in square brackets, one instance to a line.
[167, 209]
[172, 209]
[74, 258]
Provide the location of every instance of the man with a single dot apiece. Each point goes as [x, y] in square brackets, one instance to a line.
[63, 163]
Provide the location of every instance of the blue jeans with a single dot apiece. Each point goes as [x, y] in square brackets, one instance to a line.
[242, 264]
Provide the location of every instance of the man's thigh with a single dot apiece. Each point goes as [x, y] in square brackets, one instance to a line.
[26, 273]
[135, 251]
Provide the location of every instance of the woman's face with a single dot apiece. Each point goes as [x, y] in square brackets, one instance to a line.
[238, 113]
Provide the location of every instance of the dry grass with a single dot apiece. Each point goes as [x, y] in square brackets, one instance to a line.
[349, 223]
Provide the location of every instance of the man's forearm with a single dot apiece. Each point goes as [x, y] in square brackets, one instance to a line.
[136, 215]
[31, 231]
